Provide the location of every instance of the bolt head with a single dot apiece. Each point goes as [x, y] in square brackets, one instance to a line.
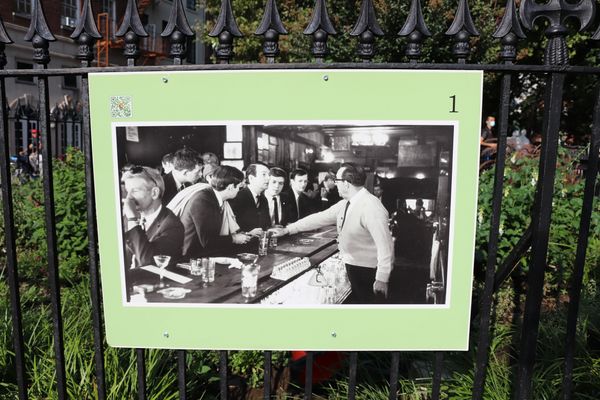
[333, 334]
[166, 334]
[325, 78]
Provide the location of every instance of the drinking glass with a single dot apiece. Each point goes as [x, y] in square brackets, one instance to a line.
[162, 261]
[249, 280]
[263, 244]
[211, 270]
[195, 266]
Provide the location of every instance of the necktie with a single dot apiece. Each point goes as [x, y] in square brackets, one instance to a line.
[257, 201]
[143, 223]
[345, 211]
[275, 218]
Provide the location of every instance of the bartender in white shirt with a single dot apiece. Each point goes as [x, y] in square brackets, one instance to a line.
[365, 242]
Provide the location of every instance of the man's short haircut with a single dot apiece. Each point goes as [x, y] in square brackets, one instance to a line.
[329, 177]
[354, 174]
[224, 176]
[151, 176]
[251, 170]
[186, 159]
[167, 158]
[212, 157]
[297, 172]
[278, 172]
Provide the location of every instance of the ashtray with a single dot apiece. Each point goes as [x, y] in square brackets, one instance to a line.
[174, 292]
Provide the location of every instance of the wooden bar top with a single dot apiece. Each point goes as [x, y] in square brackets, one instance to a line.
[316, 246]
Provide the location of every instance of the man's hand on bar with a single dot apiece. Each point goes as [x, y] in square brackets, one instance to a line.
[240, 238]
[380, 287]
[278, 232]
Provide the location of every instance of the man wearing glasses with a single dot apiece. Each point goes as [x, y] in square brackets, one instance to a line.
[365, 242]
[150, 228]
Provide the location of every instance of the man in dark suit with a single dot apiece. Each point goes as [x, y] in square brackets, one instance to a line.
[203, 214]
[187, 170]
[329, 192]
[150, 228]
[279, 203]
[300, 205]
[250, 206]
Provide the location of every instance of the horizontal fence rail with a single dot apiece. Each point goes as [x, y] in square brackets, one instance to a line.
[367, 31]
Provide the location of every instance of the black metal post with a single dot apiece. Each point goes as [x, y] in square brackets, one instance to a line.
[141, 373]
[394, 375]
[438, 361]
[308, 375]
[541, 228]
[10, 246]
[181, 378]
[267, 378]
[223, 374]
[352, 375]
[582, 243]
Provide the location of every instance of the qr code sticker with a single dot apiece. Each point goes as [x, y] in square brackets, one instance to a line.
[120, 107]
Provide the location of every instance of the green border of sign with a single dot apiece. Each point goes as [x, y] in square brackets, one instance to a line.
[289, 95]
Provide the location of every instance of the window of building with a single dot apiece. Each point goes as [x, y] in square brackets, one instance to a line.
[70, 82]
[24, 65]
[69, 8]
[24, 6]
[190, 4]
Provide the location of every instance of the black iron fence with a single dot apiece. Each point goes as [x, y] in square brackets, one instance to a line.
[509, 32]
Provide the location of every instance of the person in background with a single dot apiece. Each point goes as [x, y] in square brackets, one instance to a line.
[167, 163]
[487, 140]
[150, 228]
[329, 192]
[211, 162]
[365, 242]
[300, 204]
[187, 170]
[205, 215]
[250, 206]
[379, 193]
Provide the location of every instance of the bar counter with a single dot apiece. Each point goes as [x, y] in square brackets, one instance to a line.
[316, 246]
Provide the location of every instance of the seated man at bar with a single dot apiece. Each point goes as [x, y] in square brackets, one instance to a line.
[150, 228]
[300, 204]
[365, 242]
[250, 206]
[187, 170]
[207, 218]
[278, 202]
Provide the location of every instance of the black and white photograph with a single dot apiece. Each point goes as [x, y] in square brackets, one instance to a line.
[285, 214]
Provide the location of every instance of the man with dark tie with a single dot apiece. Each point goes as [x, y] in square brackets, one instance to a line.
[278, 203]
[365, 242]
[150, 228]
[300, 204]
[187, 170]
[250, 205]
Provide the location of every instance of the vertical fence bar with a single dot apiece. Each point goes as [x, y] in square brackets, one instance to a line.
[223, 374]
[181, 380]
[582, 243]
[267, 379]
[141, 373]
[483, 339]
[394, 375]
[50, 215]
[308, 375]
[541, 227]
[352, 375]
[438, 361]
[92, 233]
[10, 246]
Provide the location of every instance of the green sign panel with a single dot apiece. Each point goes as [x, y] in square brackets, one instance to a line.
[412, 135]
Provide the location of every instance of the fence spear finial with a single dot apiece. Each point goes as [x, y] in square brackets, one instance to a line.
[177, 30]
[132, 28]
[509, 31]
[226, 29]
[85, 34]
[462, 29]
[320, 27]
[39, 34]
[271, 27]
[416, 30]
[366, 28]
